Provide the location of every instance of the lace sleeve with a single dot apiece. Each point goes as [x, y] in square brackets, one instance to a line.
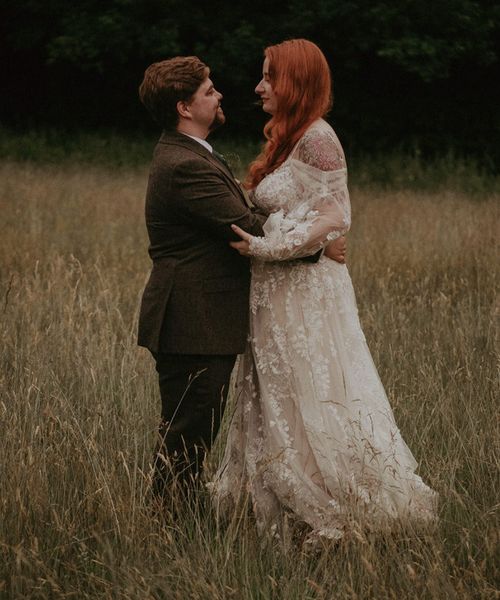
[318, 170]
[322, 150]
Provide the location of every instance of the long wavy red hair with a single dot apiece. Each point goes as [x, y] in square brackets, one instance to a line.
[302, 83]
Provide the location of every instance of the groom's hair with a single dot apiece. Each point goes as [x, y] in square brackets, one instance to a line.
[167, 82]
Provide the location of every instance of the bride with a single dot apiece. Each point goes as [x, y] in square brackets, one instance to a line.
[313, 435]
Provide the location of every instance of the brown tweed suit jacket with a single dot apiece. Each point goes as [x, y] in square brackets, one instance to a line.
[196, 299]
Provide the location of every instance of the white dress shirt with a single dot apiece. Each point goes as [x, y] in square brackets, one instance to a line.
[200, 141]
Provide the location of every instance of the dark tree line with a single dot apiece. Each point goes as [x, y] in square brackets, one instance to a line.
[406, 72]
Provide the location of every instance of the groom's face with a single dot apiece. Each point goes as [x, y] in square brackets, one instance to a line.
[205, 106]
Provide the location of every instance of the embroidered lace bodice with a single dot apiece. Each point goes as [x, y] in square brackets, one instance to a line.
[307, 197]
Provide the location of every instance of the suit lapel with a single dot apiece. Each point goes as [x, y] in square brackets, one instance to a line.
[219, 164]
[179, 139]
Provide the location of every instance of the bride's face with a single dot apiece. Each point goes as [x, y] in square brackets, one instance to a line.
[265, 90]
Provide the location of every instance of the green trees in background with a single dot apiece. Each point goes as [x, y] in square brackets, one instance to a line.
[407, 72]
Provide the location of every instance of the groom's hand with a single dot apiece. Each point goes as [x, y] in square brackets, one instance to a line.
[336, 250]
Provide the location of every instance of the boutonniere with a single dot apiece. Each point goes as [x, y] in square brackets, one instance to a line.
[233, 161]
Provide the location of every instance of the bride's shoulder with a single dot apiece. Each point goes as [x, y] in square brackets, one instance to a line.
[320, 147]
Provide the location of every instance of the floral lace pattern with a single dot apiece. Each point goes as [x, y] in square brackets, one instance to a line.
[307, 197]
[313, 434]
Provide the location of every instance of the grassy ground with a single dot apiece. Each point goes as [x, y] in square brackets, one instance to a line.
[79, 405]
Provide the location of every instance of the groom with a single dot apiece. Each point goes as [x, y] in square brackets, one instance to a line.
[194, 310]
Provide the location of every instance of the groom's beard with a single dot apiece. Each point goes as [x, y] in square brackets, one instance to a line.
[219, 120]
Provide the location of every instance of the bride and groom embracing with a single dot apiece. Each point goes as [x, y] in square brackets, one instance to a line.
[312, 434]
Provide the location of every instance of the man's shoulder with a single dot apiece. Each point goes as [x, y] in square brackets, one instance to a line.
[173, 150]
[178, 143]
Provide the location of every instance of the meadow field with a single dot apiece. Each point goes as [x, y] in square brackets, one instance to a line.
[79, 403]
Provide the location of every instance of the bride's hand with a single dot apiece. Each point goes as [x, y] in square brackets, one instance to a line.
[243, 247]
[336, 250]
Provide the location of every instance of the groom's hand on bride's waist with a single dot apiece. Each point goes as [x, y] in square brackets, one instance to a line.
[337, 249]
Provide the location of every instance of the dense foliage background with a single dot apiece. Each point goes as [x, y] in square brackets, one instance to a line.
[408, 74]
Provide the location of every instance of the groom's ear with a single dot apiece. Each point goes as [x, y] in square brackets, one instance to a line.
[183, 109]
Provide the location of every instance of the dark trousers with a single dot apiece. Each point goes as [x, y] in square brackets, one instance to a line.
[193, 392]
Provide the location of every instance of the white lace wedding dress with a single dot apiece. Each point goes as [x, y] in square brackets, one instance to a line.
[313, 435]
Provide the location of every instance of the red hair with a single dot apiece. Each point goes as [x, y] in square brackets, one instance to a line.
[302, 83]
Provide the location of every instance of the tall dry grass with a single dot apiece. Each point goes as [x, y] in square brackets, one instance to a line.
[79, 404]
